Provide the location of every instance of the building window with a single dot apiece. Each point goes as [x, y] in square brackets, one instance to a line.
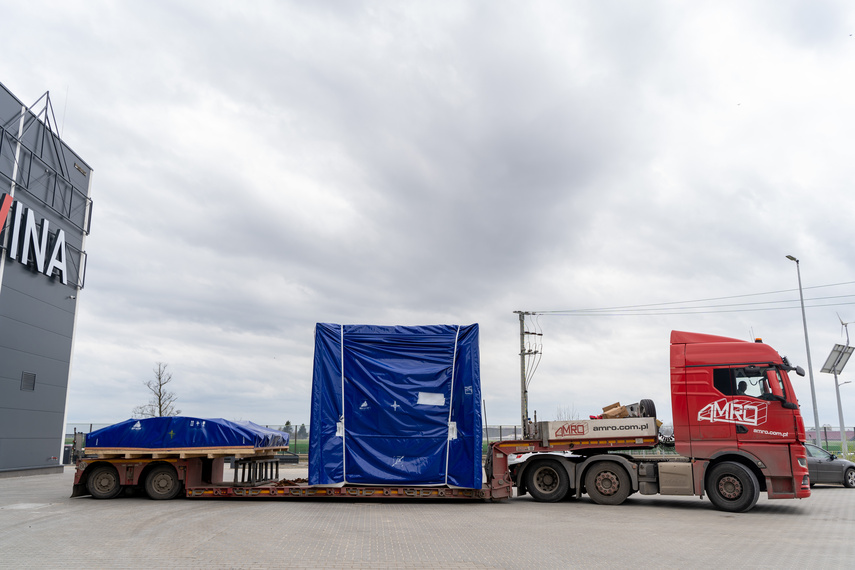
[28, 381]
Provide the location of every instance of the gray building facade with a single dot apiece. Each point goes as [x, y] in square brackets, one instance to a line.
[45, 211]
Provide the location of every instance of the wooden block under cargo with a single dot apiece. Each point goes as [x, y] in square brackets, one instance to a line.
[612, 413]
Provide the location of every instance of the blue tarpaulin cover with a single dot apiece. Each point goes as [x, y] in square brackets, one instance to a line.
[181, 432]
[396, 405]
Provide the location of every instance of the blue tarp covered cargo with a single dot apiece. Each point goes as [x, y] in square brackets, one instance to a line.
[178, 432]
[396, 405]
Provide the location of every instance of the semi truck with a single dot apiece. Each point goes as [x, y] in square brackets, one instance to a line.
[737, 432]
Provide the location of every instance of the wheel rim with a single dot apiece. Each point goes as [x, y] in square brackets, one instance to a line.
[850, 476]
[730, 487]
[162, 483]
[607, 483]
[105, 482]
[546, 480]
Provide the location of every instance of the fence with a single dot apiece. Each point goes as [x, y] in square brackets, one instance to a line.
[829, 439]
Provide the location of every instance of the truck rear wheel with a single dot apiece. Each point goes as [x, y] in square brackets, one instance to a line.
[103, 482]
[162, 483]
[732, 487]
[547, 480]
[607, 483]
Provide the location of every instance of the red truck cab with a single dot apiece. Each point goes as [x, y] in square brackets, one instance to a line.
[736, 416]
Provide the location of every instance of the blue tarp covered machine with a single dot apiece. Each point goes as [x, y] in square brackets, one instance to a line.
[396, 405]
[180, 432]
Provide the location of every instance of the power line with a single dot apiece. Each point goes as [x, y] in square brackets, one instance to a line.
[688, 311]
[659, 308]
[651, 309]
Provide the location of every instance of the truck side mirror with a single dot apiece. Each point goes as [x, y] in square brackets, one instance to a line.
[790, 406]
[800, 371]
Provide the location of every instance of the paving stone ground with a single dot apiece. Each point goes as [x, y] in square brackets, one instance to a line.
[41, 527]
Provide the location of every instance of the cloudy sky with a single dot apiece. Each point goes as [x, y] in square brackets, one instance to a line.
[263, 166]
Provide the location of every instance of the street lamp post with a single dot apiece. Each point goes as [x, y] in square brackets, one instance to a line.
[844, 448]
[807, 347]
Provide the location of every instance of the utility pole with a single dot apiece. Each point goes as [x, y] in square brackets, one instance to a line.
[524, 352]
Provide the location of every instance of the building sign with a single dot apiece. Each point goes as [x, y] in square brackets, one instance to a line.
[32, 244]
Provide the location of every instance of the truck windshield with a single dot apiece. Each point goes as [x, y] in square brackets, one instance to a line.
[752, 381]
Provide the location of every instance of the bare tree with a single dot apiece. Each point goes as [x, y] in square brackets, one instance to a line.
[566, 413]
[162, 401]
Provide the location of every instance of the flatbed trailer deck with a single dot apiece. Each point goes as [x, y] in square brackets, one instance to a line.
[256, 472]
[304, 491]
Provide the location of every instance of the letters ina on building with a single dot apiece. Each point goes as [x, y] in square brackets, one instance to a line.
[32, 243]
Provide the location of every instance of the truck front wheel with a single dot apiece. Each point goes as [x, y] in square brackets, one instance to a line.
[103, 482]
[607, 483]
[162, 483]
[732, 487]
[547, 481]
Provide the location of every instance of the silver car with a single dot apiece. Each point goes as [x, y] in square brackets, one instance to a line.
[826, 467]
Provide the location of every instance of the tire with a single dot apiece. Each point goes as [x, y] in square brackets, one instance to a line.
[162, 483]
[732, 487]
[103, 482]
[547, 481]
[607, 483]
[647, 409]
[849, 478]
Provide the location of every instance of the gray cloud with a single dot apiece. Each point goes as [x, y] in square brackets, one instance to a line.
[262, 167]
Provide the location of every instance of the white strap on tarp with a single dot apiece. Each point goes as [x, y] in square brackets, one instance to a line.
[341, 422]
[452, 429]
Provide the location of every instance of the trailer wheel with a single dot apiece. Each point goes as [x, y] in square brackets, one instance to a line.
[732, 487]
[607, 483]
[647, 409]
[103, 482]
[547, 481]
[162, 483]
